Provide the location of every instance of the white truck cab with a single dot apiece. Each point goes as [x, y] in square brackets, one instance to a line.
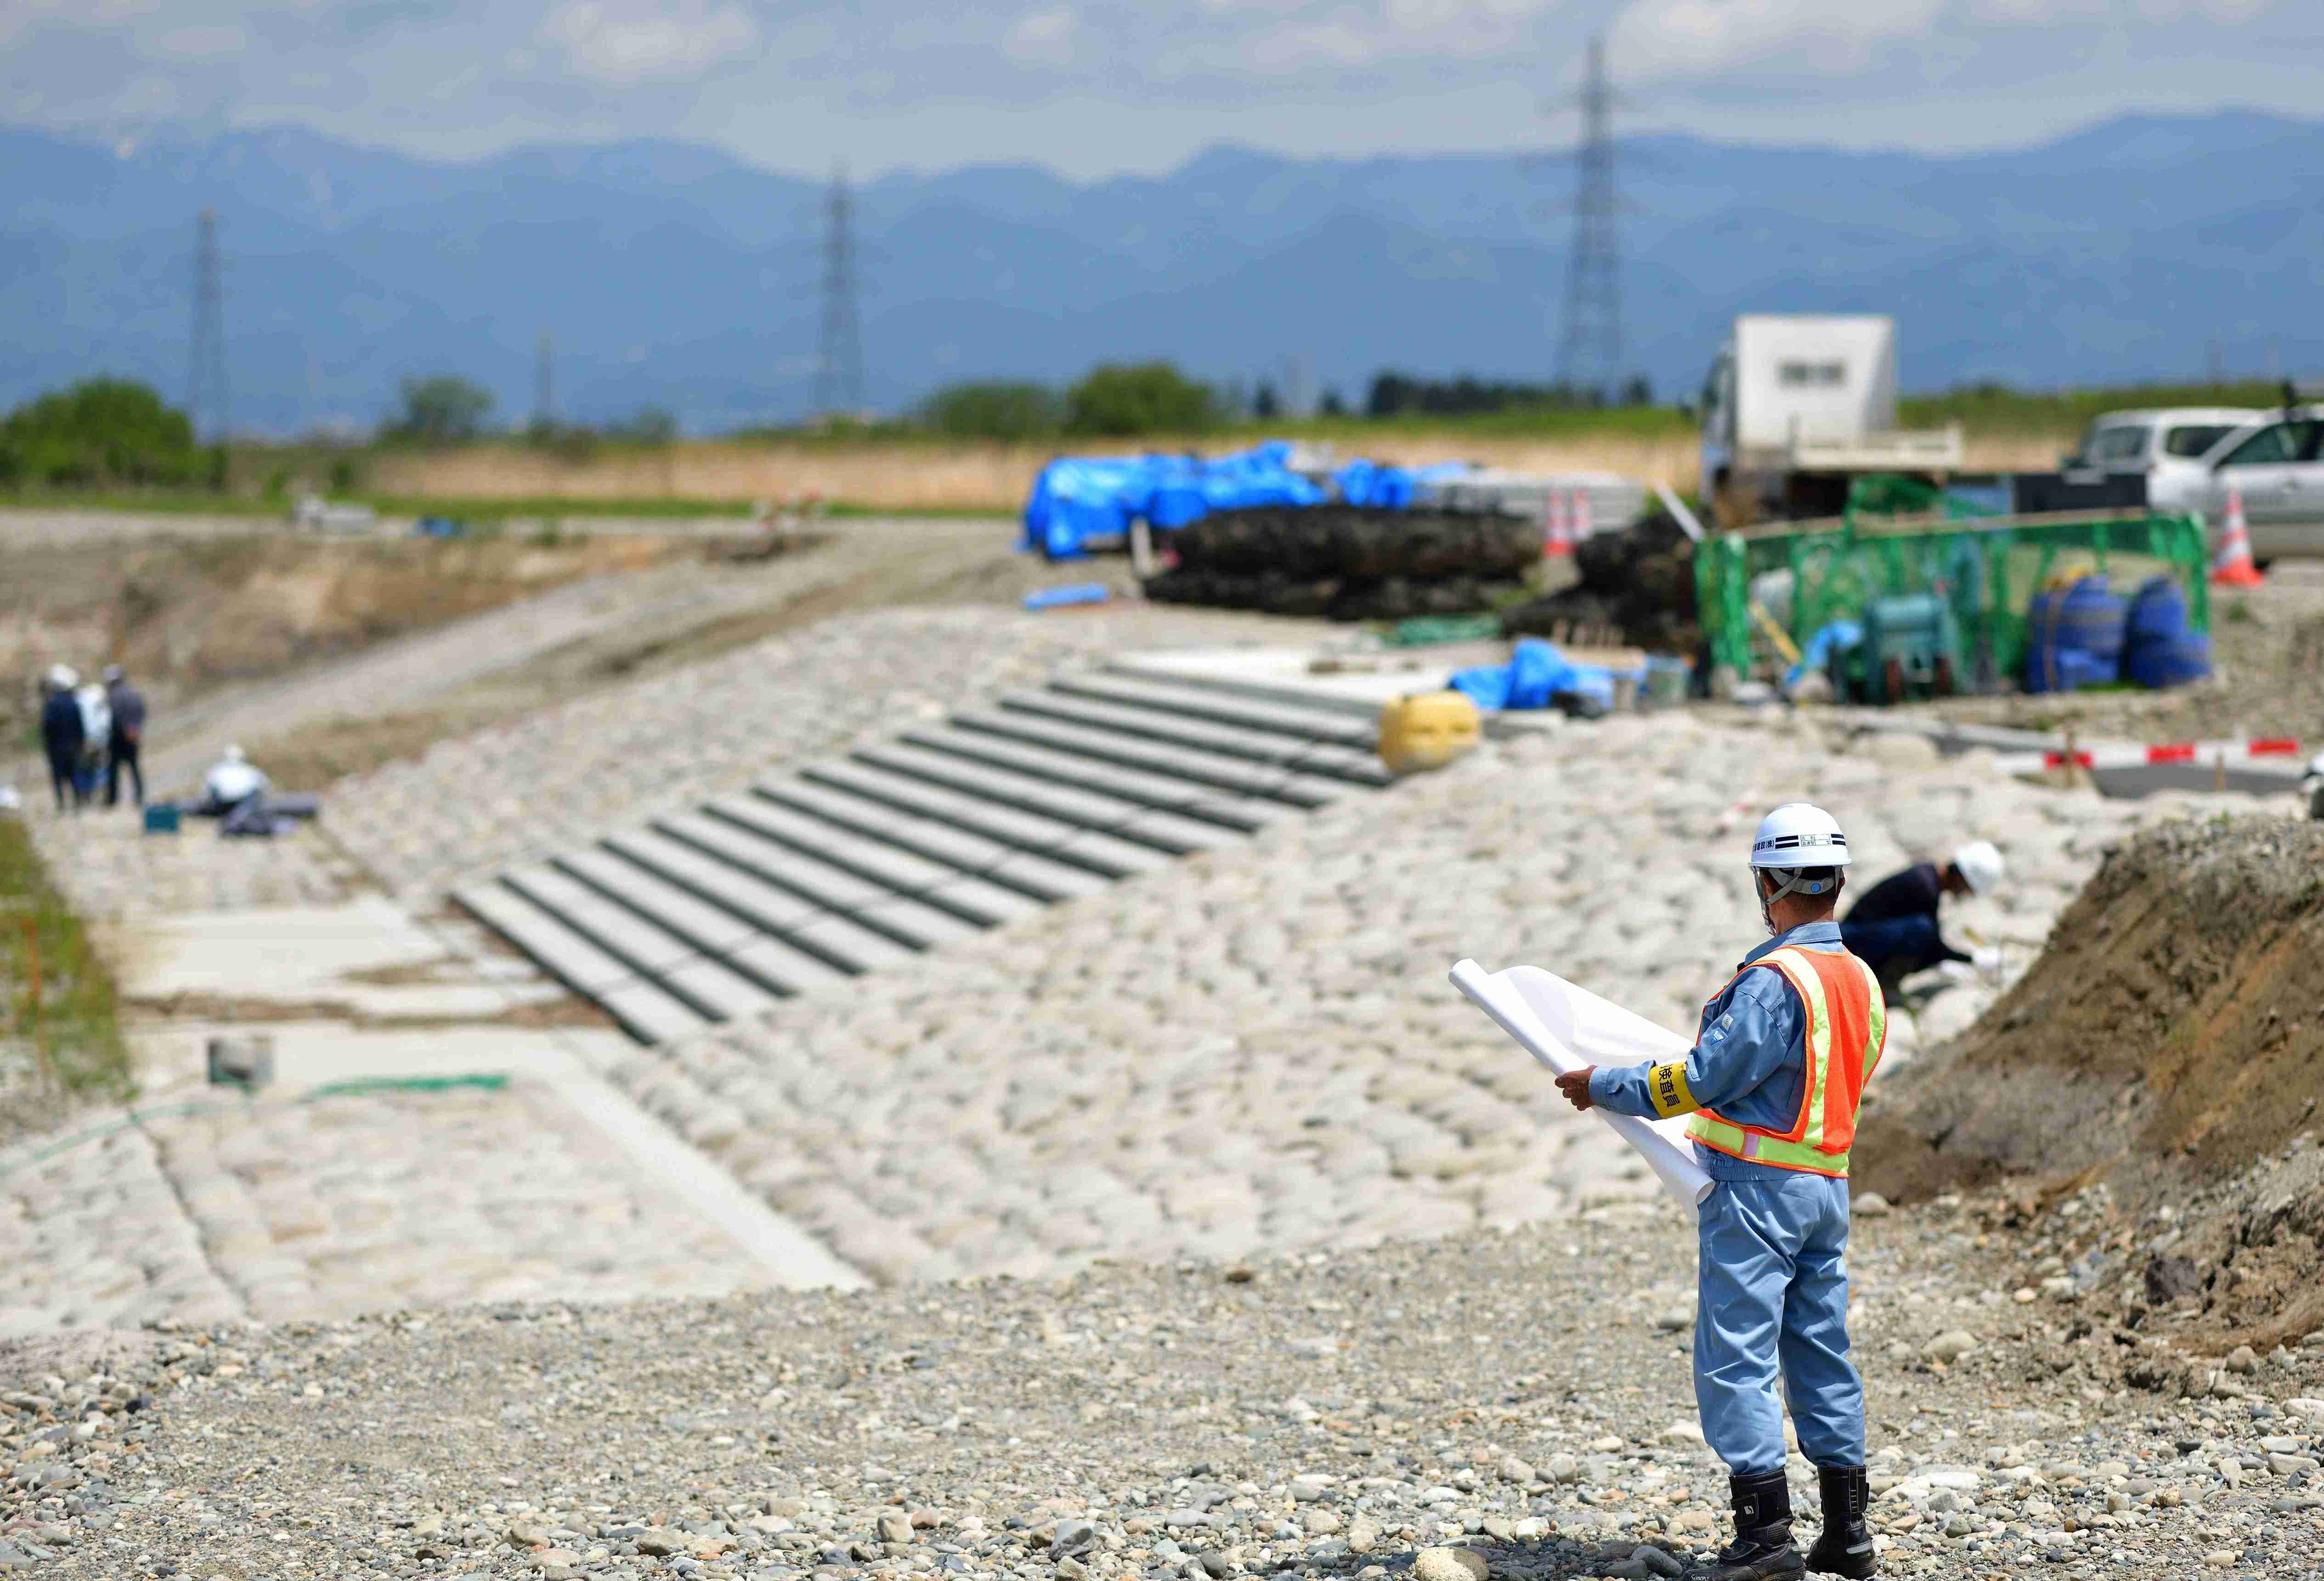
[1797, 405]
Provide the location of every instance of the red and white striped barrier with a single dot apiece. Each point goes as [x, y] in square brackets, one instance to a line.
[2262, 751]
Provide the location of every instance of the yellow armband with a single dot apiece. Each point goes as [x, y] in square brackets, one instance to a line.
[1667, 1090]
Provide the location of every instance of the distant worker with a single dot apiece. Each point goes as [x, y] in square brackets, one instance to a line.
[1895, 925]
[97, 729]
[232, 780]
[2313, 784]
[1772, 1082]
[128, 735]
[63, 734]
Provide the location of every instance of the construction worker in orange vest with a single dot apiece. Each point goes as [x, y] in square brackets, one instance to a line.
[1772, 1083]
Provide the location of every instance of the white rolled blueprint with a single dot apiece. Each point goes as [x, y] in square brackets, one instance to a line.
[1567, 1028]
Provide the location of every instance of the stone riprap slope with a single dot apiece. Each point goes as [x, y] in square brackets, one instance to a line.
[569, 774]
[107, 867]
[1522, 1399]
[1256, 1049]
[366, 1202]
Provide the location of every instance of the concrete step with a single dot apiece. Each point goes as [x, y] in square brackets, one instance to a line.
[646, 1011]
[1199, 766]
[565, 954]
[617, 929]
[840, 931]
[905, 917]
[1163, 793]
[1196, 702]
[705, 926]
[1030, 792]
[1046, 838]
[718, 991]
[1037, 878]
[1307, 754]
[970, 898]
[768, 956]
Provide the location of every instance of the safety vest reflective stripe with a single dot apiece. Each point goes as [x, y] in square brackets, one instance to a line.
[1847, 1029]
[1759, 1147]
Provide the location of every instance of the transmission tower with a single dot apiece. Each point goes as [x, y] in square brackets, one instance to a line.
[1589, 340]
[205, 405]
[544, 384]
[839, 361]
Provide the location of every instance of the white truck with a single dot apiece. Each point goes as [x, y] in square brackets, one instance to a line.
[1797, 406]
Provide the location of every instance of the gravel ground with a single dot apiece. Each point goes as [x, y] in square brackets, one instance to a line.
[1512, 1405]
[1256, 1050]
[569, 774]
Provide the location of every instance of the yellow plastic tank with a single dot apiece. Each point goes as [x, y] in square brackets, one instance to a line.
[1426, 732]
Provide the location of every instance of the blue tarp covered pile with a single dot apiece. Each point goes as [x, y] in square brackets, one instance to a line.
[1076, 499]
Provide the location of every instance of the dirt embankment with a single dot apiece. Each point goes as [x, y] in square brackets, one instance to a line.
[186, 615]
[2170, 1042]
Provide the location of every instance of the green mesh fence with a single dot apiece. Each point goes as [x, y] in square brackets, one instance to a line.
[1987, 569]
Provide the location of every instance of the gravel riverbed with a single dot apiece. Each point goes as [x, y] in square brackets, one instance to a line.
[1523, 1398]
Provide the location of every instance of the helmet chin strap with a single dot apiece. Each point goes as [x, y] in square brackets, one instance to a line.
[1791, 884]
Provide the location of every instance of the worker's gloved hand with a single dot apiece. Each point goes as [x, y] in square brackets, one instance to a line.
[1575, 1086]
[1986, 959]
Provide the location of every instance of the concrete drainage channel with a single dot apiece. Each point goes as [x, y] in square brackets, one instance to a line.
[865, 861]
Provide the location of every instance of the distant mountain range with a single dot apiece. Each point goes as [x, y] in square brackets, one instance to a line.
[676, 276]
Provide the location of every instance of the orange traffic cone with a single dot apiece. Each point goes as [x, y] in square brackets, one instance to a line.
[2232, 566]
[1557, 536]
[1579, 523]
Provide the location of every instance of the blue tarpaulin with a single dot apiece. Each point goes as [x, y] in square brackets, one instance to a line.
[1535, 675]
[1076, 499]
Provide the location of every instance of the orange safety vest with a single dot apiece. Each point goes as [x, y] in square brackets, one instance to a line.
[1847, 1029]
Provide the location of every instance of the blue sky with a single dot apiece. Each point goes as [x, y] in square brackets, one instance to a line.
[1094, 87]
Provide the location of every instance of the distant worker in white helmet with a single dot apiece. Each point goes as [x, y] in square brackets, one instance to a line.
[1771, 1084]
[1894, 925]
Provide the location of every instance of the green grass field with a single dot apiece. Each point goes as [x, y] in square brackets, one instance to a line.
[56, 997]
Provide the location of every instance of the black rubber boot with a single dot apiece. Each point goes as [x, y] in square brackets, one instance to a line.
[1762, 1550]
[1845, 1548]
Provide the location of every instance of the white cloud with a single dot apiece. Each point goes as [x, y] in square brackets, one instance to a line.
[1681, 38]
[643, 40]
[1043, 38]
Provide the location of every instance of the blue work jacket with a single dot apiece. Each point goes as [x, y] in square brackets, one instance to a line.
[1750, 1060]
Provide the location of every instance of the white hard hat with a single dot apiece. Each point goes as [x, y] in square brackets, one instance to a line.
[232, 754]
[1798, 835]
[63, 677]
[1981, 865]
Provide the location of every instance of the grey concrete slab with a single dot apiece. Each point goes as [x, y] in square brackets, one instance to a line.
[785, 968]
[1228, 707]
[706, 927]
[652, 1014]
[562, 953]
[1293, 785]
[1306, 753]
[754, 900]
[615, 929]
[1163, 793]
[718, 991]
[1050, 839]
[906, 918]
[848, 934]
[1037, 878]
[966, 895]
[1123, 820]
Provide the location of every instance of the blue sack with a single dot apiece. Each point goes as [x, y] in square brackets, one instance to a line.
[1535, 674]
[2074, 637]
[2159, 647]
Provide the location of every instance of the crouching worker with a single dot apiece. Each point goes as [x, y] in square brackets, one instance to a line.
[1772, 1083]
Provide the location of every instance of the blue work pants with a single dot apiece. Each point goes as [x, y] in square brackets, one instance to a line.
[1772, 1295]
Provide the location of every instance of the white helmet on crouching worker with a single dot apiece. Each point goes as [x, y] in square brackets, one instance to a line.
[1793, 839]
[1980, 866]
